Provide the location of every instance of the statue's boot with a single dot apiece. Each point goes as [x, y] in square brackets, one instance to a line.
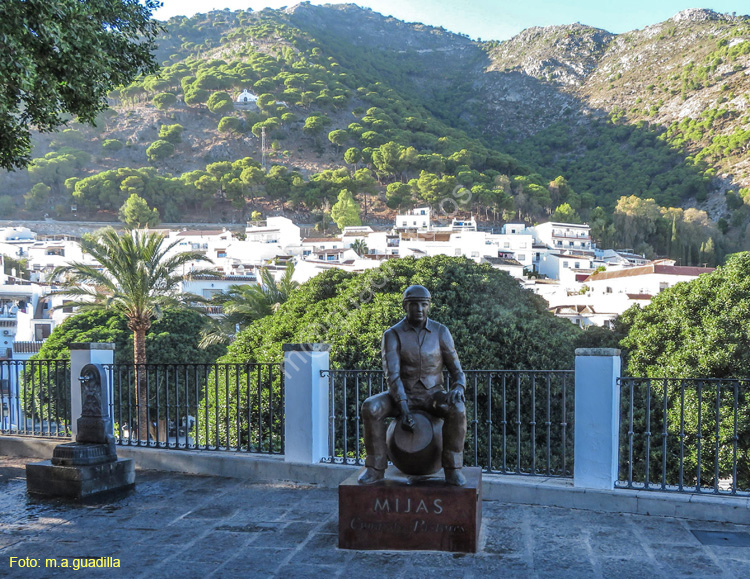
[454, 476]
[371, 475]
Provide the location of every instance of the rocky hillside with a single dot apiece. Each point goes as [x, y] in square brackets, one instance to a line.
[686, 79]
[401, 113]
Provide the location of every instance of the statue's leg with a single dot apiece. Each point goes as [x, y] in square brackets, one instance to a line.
[454, 435]
[374, 412]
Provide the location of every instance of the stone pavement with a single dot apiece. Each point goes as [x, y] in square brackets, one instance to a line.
[183, 526]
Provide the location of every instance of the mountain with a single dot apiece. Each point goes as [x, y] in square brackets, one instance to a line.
[564, 121]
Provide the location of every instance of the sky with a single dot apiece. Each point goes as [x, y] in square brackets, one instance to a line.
[493, 19]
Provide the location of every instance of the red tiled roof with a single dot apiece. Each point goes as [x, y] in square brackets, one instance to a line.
[651, 269]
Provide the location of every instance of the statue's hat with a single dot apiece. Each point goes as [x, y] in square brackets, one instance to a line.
[416, 292]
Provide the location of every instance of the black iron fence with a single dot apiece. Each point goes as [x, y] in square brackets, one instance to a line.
[519, 421]
[35, 397]
[685, 435]
[235, 407]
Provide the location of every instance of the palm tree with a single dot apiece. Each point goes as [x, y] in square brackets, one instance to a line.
[244, 304]
[360, 247]
[136, 277]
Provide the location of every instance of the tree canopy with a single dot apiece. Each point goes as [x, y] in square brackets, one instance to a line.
[135, 213]
[61, 57]
[172, 339]
[345, 212]
[695, 329]
[495, 323]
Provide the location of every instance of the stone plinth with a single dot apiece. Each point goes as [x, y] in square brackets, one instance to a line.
[79, 482]
[89, 466]
[411, 513]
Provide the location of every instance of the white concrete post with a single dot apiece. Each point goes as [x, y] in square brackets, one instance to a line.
[597, 417]
[306, 402]
[80, 355]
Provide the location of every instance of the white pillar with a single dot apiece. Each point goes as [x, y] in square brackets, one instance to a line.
[80, 355]
[306, 402]
[597, 417]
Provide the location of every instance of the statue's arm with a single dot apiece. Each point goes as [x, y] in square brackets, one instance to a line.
[450, 358]
[392, 366]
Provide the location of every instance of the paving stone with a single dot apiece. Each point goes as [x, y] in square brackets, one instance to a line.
[183, 526]
[685, 561]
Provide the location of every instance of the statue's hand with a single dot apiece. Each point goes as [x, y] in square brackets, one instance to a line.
[407, 421]
[456, 395]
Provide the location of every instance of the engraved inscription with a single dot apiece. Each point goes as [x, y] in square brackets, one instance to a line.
[406, 506]
[419, 526]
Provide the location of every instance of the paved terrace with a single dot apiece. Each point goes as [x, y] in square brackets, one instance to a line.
[183, 525]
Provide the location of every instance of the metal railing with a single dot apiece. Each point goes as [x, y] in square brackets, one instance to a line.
[519, 421]
[231, 407]
[35, 397]
[685, 435]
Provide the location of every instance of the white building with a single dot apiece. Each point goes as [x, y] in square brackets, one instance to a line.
[16, 235]
[45, 255]
[613, 259]
[276, 230]
[311, 245]
[247, 98]
[351, 235]
[568, 267]
[558, 247]
[563, 236]
[647, 280]
[416, 219]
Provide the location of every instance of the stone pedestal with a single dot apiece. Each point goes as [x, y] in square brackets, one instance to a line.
[79, 482]
[88, 466]
[411, 513]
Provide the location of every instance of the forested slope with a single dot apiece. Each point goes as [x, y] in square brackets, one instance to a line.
[567, 122]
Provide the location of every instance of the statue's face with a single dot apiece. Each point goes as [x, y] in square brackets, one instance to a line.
[416, 311]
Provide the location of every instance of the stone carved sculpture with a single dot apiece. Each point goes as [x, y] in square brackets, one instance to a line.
[414, 353]
[94, 444]
[89, 466]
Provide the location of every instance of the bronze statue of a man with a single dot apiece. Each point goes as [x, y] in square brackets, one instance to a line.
[414, 352]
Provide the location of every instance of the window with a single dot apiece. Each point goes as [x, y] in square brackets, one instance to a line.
[474, 254]
[565, 264]
[506, 244]
[457, 251]
[578, 265]
[521, 257]
[523, 245]
[210, 293]
[570, 244]
[41, 332]
[609, 290]
[559, 243]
